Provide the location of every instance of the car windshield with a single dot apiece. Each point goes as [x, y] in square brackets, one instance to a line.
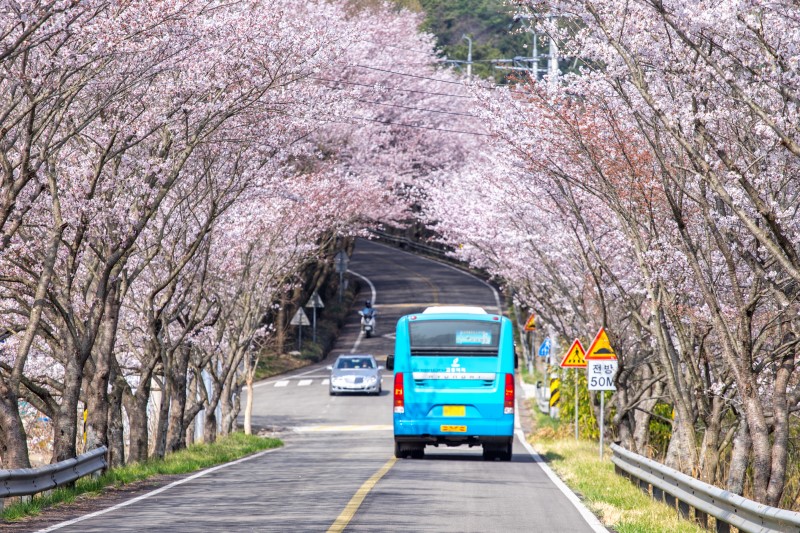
[355, 362]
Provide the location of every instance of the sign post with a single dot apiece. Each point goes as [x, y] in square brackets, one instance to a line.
[315, 302]
[602, 368]
[575, 358]
[341, 261]
[300, 319]
[530, 326]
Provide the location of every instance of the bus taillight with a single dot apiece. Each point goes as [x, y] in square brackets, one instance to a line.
[399, 394]
[508, 401]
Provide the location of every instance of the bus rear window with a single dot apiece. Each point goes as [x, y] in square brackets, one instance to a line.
[465, 337]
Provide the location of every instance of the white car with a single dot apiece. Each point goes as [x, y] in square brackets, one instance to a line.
[355, 373]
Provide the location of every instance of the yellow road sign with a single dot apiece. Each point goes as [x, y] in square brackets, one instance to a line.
[601, 347]
[530, 325]
[575, 356]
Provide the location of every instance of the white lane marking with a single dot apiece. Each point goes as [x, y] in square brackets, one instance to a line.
[451, 267]
[350, 428]
[326, 381]
[282, 383]
[587, 515]
[275, 380]
[374, 298]
[153, 493]
[304, 382]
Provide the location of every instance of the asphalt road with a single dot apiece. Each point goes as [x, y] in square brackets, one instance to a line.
[337, 470]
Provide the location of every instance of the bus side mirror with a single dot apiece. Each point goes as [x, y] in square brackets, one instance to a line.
[516, 360]
[390, 362]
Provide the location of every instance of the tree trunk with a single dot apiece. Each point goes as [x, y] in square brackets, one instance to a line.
[740, 458]
[682, 451]
[136, 408]
[176, 431]
[228, 408]
[160, 445]
[623, 419]
[14, 452]
[710, 452]
[65, 425]
[210, 425]
[97, 394]
[759, 434]
[116, 435]
[780, 433]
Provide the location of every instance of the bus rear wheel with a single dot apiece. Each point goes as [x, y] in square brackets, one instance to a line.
[501, 452]
[505, 454]
[414, 451]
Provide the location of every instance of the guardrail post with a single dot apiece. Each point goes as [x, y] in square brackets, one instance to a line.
[658, 494]
[701, 518]
[644, 486]
[2, 503]
[722, 527]
[669, 499]
[683, 509]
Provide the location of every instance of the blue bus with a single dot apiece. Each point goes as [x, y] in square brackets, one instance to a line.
[453, 381]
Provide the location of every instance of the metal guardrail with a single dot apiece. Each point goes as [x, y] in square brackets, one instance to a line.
[30, 481]
[707, 500]
[543, 398]
[405, 242]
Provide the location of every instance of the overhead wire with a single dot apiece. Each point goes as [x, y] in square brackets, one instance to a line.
[377, 85]
[417, 108]
[410, 75]
[391, 123]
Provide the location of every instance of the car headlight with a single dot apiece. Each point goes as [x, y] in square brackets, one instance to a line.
[370, 380]
[337, 380]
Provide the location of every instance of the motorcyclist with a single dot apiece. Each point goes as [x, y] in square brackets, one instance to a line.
[367, 316]
[368, 311]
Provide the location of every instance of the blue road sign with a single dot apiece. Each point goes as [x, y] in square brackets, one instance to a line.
[544, 349]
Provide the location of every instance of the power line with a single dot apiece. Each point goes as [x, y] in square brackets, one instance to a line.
[410, 75]
[383, 45]
[443, 81]
[390, 123]
[373, 85]
[417, 108]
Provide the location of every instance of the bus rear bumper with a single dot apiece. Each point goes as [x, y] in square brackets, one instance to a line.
[454, 433]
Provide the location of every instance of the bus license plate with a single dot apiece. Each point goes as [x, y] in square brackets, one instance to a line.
[455, 410]
[453, 429]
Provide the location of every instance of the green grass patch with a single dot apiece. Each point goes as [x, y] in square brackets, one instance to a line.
[618, 503]
[192, 459]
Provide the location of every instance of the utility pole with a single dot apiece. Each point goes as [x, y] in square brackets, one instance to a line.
[518, 63]
[469, 57]
[552, 60]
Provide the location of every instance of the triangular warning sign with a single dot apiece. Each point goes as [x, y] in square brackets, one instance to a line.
[601, 347]
[530, 325]
[575, 356]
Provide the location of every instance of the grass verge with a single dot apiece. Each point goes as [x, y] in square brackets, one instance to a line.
[193, 458]
[619, 504]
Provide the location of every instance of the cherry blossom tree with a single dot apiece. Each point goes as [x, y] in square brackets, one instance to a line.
[657, 187]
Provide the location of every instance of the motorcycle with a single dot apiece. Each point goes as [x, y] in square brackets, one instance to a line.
[367, 323]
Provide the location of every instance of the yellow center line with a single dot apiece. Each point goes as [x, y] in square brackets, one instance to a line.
[358, 498]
